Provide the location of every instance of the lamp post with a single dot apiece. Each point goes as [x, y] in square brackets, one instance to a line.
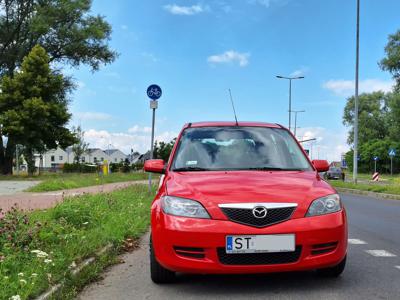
[295, 119]
[290, 94]
[355, 152]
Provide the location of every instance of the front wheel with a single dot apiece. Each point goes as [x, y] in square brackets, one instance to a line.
[158, 273]
[334, 271]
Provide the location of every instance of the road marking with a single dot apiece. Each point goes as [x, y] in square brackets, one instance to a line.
[357, 242]
[380, 253]
[397, 267]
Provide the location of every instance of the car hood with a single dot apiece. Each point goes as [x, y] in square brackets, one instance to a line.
[217, 187]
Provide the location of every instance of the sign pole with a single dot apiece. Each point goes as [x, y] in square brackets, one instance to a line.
[391, 165]
[152, 141]
[154, 92]
[375, 165]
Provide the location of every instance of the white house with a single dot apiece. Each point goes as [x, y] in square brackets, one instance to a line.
[95, 156]
[52, 159]
[115, 155]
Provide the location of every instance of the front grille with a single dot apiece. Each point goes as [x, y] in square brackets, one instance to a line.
[245, 216]
[258, 258]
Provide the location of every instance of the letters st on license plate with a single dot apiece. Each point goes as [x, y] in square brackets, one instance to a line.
[260, 243]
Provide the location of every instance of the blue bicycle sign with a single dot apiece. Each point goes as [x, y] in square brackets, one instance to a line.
[154, 92]
[392, 152]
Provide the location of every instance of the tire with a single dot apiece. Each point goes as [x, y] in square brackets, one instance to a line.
[158, 273]
[335, 271]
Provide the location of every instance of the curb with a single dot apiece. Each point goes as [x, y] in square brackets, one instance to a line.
[368, 193]
[74, 272]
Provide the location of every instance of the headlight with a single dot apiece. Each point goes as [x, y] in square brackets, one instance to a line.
[183, 207]
[325, 205]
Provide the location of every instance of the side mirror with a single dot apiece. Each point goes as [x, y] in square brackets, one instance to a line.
[154, 166]
[321, 165]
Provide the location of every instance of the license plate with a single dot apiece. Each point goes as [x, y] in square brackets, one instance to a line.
[260, 243]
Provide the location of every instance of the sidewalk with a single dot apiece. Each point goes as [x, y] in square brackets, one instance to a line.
[32, 201]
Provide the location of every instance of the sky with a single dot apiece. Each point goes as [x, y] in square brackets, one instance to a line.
[196, 50]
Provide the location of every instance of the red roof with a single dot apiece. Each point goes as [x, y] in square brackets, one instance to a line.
[232, 123]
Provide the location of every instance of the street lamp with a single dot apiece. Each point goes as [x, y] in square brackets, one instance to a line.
[355, 154]
[295, 119]
[290, 94]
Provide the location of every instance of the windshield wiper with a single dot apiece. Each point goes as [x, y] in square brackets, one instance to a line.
[272, 169]
[184, 169]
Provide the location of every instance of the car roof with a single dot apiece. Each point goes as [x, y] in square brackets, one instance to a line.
[232, 123]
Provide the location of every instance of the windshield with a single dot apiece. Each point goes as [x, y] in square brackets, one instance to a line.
[238, 148]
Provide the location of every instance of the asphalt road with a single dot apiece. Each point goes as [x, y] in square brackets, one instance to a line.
[370, 274]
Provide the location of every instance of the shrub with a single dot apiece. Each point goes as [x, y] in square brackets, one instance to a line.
[81, 168]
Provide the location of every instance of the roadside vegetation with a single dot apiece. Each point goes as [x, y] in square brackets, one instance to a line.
[40, 248]
[391, 187]
[63, 181]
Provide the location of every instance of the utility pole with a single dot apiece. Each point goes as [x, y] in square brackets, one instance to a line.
[355, 152]
[17, 158]
[290, 95]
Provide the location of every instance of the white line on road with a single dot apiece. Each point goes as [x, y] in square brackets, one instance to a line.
[357, 242]
[380, 253]
[397, 267]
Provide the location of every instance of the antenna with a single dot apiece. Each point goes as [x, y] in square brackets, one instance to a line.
[233, 106]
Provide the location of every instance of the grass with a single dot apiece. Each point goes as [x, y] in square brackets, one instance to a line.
[391, 188]
[38, 249]
[63, 181]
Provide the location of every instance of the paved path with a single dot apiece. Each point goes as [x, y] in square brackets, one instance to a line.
[31, 201]
[372, 272]
[10, 187]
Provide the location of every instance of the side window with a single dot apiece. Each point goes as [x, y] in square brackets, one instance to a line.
[60, 157]
[52, 158]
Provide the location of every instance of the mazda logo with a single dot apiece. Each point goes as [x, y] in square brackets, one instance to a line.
[259, 212]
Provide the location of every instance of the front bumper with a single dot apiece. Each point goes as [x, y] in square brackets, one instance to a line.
[170, 232]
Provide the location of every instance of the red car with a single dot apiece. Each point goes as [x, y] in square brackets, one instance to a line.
[243, 198]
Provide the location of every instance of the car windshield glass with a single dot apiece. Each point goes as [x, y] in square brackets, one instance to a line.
[238, 148]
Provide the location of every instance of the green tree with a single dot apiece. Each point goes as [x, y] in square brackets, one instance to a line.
[80, 147]
[372, 118]
[33, 107]
[391, 62]
[66, 29]
[163, 150]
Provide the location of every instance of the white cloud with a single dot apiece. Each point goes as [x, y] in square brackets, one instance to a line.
[92, 116]
[125, 141]
[329, 144]
[184, 10]
[150, 56]
[265, 3]
[346, 87]
[300, 72]
[80, 84]
[230, 56]
[138, 129]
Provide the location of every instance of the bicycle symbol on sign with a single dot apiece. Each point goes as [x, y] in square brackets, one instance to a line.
[154, 92]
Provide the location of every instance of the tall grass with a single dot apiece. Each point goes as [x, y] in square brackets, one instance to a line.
[71, 181]
[38, 249]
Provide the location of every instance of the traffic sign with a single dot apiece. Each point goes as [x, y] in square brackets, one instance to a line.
[392, 152]
[154, 92]
[376, 158]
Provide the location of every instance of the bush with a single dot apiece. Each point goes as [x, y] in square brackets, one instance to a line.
[138, 166]
[115, 167]
[80, 168]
